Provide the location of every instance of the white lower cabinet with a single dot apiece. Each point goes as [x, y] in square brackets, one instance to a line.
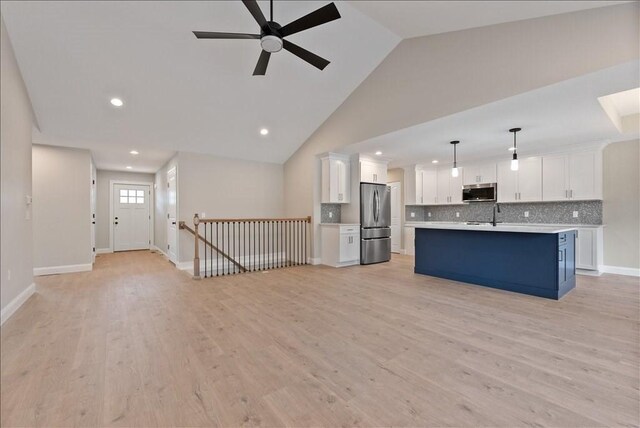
[409, 240]
[340, 244]
[589, 248]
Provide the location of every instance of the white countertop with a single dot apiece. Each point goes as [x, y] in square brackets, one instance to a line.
[499, 228]
[420, 223]
[340, 224]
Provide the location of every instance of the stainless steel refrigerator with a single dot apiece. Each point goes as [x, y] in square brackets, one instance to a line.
[375, 223]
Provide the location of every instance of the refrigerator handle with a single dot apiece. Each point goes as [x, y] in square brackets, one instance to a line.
[377, 207]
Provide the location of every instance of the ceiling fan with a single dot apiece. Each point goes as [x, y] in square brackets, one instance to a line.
[272, 34]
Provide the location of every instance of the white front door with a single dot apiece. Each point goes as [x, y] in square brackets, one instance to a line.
[396, 213]
[172, 230]
[131, 217]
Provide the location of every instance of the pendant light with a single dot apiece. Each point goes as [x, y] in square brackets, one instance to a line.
[514, 160]
[454, 170]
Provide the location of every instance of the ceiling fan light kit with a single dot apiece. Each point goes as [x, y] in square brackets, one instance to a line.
[272, 34]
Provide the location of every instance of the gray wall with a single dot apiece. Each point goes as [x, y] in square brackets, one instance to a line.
[17, 118]
[622, 204]
[61, 206]
[102, 200]
[425, 78]
[219, 187]
[589, 212]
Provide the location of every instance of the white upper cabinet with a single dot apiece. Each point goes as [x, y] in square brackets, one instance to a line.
[336, 179]
[449, 189]
[572, 176]
[523, 185]
[373, 172]
[420, 185]
[429, 178]
[479, 173]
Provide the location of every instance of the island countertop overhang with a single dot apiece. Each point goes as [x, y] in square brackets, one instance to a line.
[498, 228]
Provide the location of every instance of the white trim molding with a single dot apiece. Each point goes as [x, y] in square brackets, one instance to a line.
[157, 249]
[617, 270]
[315, 261]
[104, 251]
[16, 303]
[53, 270]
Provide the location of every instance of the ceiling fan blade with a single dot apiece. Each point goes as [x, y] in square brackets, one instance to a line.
[254, 9]
[305, 55]
[320, 16]
[263, 61]
[214, 35]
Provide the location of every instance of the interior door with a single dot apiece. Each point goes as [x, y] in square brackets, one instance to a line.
[507, 182]
[93, 212]
[396, 208]
[172, 230]
[131, 217]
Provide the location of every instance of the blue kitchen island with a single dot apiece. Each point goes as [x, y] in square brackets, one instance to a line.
[539, 261]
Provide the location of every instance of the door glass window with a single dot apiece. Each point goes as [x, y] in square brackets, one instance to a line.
[131, 196]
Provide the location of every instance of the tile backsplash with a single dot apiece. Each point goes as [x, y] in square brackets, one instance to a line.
[334, 209]
[589, 212]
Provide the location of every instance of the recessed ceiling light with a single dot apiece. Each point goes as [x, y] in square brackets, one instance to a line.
[511, 149]
[434, 161]
[117, 102]
[128, 167]
[378, 153]
[134, 152]
[264, 131]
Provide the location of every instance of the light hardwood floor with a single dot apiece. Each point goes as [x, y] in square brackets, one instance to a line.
[137, 343]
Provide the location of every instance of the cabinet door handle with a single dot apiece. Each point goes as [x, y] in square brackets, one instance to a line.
[566, 194]
[421, 199]
[571, 193]
[560, 256]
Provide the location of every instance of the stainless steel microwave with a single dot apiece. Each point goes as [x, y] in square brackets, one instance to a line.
[480, 192]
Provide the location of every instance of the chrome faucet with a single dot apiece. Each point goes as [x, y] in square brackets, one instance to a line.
[496, 207]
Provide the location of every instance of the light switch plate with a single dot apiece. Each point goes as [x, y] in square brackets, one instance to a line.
[575, 214]
[526, 213]
[330, 214]
[203, 215]
[413, 215]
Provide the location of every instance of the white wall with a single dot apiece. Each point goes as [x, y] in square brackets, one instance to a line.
[61, 208]
[17, 119]
[621, 205]
[225, 188]
[425, 78]
[102, 203]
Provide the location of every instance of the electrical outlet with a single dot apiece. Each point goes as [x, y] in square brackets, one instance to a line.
[526, 213]
[575, 214]
[330, 214]
[428, 214]
[203, 215]
[413, 215]
[457, 214]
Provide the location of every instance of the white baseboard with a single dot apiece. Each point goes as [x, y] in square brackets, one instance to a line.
[15, 304]
[103, 250]
[53, 270]
[154, 248]
[588, 272]
[315, 260]
[621, 270]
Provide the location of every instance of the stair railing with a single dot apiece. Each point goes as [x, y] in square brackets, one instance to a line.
[238, 245]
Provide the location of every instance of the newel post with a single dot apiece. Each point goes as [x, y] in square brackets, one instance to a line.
[196, 253]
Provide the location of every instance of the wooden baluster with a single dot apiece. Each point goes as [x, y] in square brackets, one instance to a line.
[196, 258]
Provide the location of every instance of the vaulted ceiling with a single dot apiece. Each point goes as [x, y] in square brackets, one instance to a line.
[184, 94]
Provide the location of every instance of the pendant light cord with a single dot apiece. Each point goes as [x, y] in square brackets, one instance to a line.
[271, 7]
